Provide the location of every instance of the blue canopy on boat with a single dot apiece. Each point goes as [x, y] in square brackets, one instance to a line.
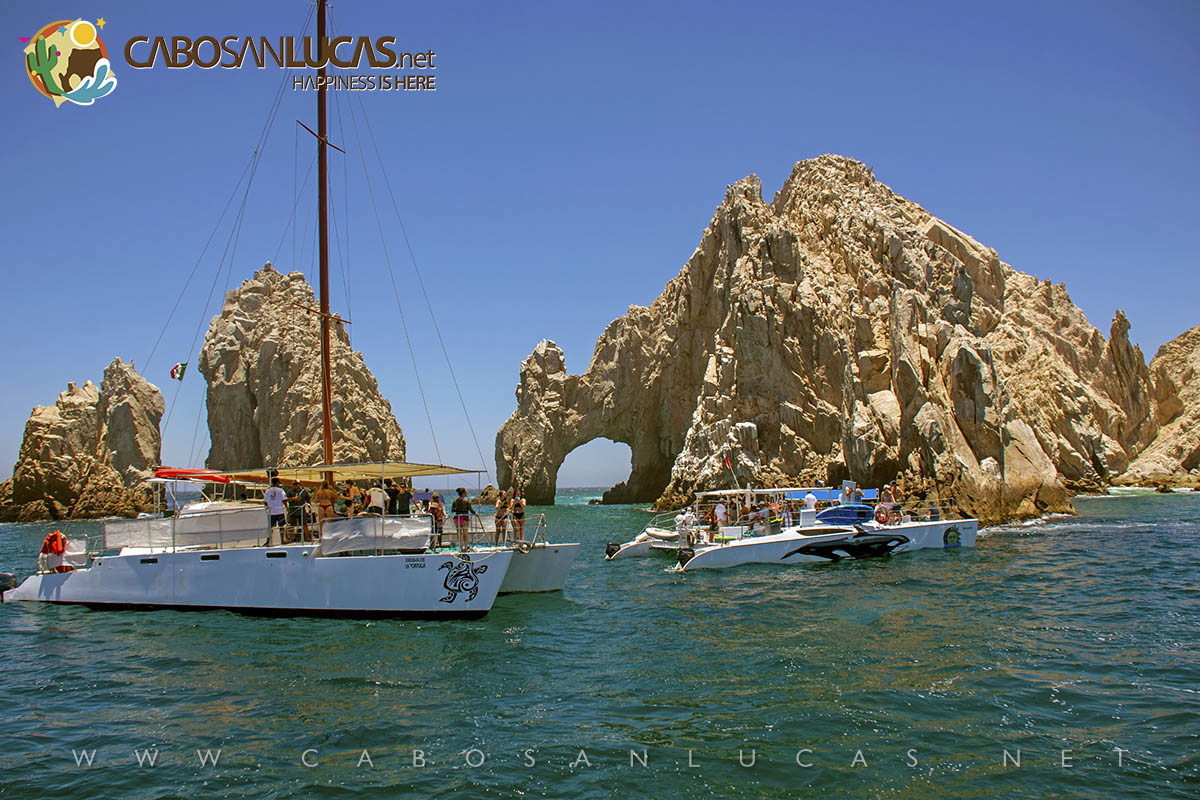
[824, 494]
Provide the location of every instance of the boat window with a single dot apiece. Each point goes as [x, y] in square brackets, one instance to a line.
[210, 557]
[277, 554]
[149, 560]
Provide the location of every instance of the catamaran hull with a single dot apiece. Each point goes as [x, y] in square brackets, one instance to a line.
[661, 542]
[638, 548]
[543, 568]
[281, 581]
[826, 544]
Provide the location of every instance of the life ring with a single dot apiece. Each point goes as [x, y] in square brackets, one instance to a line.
[881, 514]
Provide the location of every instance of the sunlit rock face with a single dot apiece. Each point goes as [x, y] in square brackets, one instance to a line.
[841, 331]
[89, 454]
[262, 361]
[1173, 457]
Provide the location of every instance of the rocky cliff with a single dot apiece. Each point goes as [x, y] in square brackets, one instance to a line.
[843, 331]
[87, 455]
[262, 361]
[1173, 457]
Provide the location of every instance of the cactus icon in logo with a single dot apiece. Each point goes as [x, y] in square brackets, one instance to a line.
[67, 62]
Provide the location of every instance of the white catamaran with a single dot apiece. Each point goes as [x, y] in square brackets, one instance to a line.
[224, 555]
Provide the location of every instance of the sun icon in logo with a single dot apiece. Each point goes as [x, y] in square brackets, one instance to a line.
[68, 62]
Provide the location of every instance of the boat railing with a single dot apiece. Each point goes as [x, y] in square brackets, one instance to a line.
[481, 530]
[666, 519]
[539, 530]
[925, 511]
[217, 529]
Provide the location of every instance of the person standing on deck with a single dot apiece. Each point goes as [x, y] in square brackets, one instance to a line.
[276, 501]
[887, 499]
[376, 500]
[353, 498]
[297, 502]
[502, 517]
[437, 518]
[393, 492]
[404, 501]
[461, 508]
[517, 515]
[325, 498]
[719, 513]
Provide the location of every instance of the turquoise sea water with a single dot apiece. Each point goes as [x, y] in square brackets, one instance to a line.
[903, 677]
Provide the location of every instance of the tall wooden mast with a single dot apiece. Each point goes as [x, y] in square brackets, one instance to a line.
[323, 236]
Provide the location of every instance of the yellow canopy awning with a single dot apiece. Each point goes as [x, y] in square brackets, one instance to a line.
[369, 471]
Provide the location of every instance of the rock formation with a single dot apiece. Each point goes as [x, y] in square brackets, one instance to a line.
[262, 361]
[87, 455]
[841, 331]
[1173, 457]
[487, 497]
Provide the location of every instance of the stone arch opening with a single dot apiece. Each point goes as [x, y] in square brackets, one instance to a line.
[597, 462]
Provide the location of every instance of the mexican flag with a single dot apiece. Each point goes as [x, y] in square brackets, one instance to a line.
[178, 370]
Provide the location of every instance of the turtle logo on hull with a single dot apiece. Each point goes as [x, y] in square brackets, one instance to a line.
[951, 537]
[463, 576]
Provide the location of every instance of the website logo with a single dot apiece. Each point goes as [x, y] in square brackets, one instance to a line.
[68, 62]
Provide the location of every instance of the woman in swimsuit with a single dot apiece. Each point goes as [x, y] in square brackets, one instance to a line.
[462, 511]
[517, 513]
[353, 497]
[325, 497]
[501, 517]
[437, 518]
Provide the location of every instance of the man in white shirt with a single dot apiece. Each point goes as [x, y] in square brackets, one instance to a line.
[720, 512]
[276, 500]
[376, 500]
[810, 500]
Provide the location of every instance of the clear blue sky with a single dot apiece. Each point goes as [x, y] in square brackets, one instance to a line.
[567, 165]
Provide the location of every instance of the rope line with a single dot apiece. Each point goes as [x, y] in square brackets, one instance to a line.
[395, 289]
[295, 195]
[343, 265]
[292, 218]
[255, 160]
[196, 266]
[345, 206]
[421, 283]
[196, 430]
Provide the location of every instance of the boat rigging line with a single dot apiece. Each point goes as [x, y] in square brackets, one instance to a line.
[343, 263]
[420, 281]
[291, 220]
[196, 266]
[395, 288]
[252, 166]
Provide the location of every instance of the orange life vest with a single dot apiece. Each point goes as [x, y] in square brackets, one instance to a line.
[55, 544]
